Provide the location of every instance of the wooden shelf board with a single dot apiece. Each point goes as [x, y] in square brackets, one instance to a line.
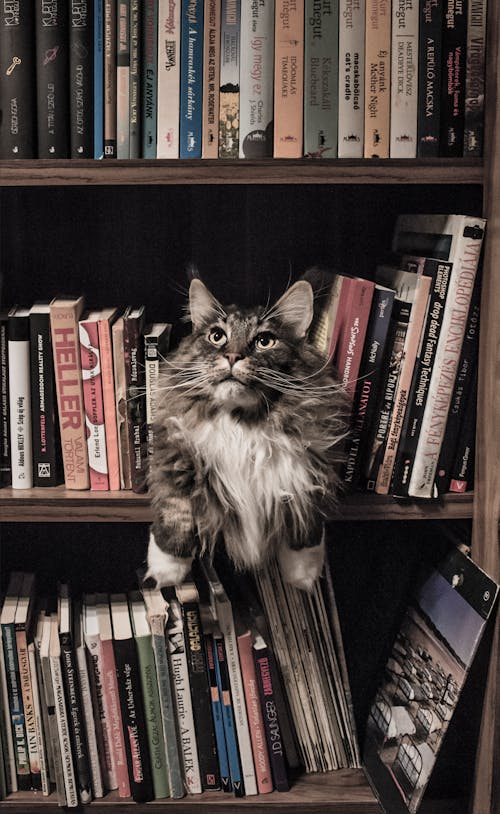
[271, 171]
[56, 504]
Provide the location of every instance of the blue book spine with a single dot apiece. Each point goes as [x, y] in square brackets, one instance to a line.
[191, 79]
[222, 673]
[149, 84]
[98, 79]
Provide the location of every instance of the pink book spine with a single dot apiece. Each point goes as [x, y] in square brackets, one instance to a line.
[115, 727]
[288, 79]
[352, 337]
[94, 407]
[254, 712]
[340, 317]
[108, 396]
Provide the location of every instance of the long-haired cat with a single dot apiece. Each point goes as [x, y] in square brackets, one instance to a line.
[249, 420]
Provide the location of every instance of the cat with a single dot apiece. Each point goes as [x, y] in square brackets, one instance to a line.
[247, 435]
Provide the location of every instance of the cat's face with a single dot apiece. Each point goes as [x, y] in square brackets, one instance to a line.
[237, 355]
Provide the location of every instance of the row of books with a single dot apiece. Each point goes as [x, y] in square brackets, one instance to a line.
[225, 78]
[157, 695]
[405, 347]
[78, 395]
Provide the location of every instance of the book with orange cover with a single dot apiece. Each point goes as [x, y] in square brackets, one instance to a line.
[288, 79]
[106, 319]
[377, 78]
[64, 316]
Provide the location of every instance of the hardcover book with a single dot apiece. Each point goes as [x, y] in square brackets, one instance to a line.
[257, 80]
[404, 79]
[321, 66]
[211, 72]
[17, 89]
[229, 94]
[288, 79]
[169, 67]
[20, 398]
[191, 79]
[377, 78]
[52, 78]
[351, 78]
[149, 77]
[423, 679]
[90, 358]
[64, 317]
[47, 470]
[81, 86]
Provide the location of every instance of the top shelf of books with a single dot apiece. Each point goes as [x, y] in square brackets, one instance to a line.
[74, 172]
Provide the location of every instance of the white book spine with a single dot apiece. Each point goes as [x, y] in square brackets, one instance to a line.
[351, 78]
[257, 79]
[63, 731]
[20, 414]
[86, 693]
[168, 101]
[226, 622]
[404, 79]
[464, 254]
[42, 754]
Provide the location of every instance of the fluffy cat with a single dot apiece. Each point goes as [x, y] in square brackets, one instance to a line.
[249, 418]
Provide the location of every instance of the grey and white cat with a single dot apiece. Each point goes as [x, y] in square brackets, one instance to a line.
[249, 420]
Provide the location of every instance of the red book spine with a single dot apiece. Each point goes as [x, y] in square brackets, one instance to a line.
[112, 706]
[254, 712]
[353, 332]
[94, 406]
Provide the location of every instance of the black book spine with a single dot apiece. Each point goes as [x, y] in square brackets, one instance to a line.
[47, 462]
[271, 719]
[462, 472]
[81, 80]
[453, 62]
[475, 79]
[429, 77]
[133, 719]
[133, 344]
[75, 718]
[17, 84]
[419, 391]
[5, 470]
[52, 78]
[135, 69]
[200, 697]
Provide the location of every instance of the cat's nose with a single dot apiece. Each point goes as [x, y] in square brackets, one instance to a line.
[232, 358]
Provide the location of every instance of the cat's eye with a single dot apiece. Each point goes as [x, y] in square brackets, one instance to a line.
[217, 337]
[265, 341]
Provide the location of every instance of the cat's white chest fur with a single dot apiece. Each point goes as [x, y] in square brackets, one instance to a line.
[254, 472]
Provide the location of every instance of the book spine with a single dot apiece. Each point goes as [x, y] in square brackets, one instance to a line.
[94, 406]
[377, 79]
[149, 77]
[288, 79]
[6, 728]
[257, 80]
[17, 88]
[200, 697]
[39, 723]
[321, 66]
[101, 716]
[75, 719]
[61, 715]
[108, 398]
[5, 467]
[429, 77]
[28, 707]
[51, 733]
[45, 425]
[271, 721]
[463, 382]
[110, 90]
[98, 86]
[410, 350]
[211, 70]
[123, 78]
[216, 701]
[90, 723]
[475, 79]
[229, 94]
[169, 73]
[404, 79]
[222, 673]
[462, 471]
[254, 711]
[136, 406]
[114, 722]
[168, 711]
[370, 373]
[52, 78]
[152, 370]
[20, 403]
[465, 264]
[121, 404]
[440, 271]
[191, 79]
[351, 78]
[134, 88]
[153, 716]
[353, 333]
[65, 346]
[16, 707]
[81, 89]
[453, 63]
[134, 727]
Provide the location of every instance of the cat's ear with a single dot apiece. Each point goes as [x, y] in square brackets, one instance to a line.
[203, 306]
[296, 307]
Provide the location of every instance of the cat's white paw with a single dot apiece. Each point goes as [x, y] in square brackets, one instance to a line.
[166, 569]
[302, 568]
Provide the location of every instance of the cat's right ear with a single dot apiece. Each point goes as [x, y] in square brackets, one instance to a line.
[203, 306]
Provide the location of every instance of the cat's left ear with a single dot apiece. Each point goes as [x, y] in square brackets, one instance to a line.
[295, 308]
[203, 306]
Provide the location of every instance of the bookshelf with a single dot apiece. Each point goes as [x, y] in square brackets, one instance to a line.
[49, 203]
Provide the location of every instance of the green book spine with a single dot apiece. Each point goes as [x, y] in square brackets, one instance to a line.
[152, 713]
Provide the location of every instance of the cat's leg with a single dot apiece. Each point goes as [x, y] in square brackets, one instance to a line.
[301, 567]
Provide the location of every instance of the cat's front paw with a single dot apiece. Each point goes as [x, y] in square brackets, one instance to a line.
[164, 568]
[302, 567]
